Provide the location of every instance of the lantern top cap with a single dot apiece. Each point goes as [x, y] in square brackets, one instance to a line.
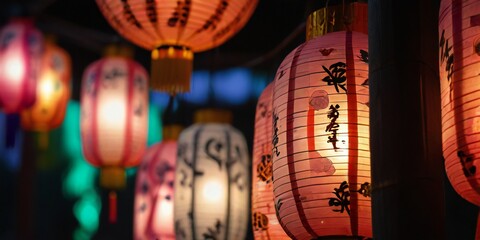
[118, 50]
[334, 16]
[171, 132]
[211, 115]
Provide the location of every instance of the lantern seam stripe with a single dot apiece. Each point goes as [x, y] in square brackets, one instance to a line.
[352, 129]
[289, 135]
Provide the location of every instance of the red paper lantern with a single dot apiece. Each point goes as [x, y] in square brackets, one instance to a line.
[154, 189]
[264, 219]
[114, 111]
[20, 58]
[321, 153]
[53, 91]
[459, 34]
[173, 30]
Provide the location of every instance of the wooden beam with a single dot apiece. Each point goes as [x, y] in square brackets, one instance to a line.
[405, 127]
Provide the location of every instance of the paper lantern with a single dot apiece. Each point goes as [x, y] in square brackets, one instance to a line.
[53, 91]
[321, 154]
[459, 34]
[154, 189]
[264, 220]
[20, 58]
[113, 121]
[173, 30]
[212, 187]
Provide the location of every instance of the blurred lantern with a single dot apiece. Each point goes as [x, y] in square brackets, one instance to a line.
[459, 34]
[321, 155]
[264, 219]
[154, 189]
[53, 92]
[114, 118]
[212, 180]
[173, 30]
[20, 58]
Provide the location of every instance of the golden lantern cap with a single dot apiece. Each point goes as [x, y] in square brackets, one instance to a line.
[351, 17]
[118, 50]
[211, 115]
[171, 132]
[112, 178]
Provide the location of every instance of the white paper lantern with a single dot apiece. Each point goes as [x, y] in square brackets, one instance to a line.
[212, 185]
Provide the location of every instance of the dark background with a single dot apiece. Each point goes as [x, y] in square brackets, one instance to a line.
[29, 193]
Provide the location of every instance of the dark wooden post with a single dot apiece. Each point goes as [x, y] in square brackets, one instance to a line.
[405, 127]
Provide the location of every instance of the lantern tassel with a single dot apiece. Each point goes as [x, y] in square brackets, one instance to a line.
[112, 214]
[171, 69]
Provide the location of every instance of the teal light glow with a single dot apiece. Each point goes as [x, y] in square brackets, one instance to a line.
[87, 210]
[154, 124]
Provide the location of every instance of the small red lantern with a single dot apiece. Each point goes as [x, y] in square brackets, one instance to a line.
[20, 58]
[173, 30]
[53, 91]
[114, 111]
[264, 219]
[154, 189]
[459, 34]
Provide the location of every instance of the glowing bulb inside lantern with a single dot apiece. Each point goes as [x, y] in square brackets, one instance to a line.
[212, 191]
[14, 68]
[112, 112]
[47, 85]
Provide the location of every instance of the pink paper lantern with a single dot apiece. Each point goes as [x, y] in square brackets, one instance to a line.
[264, 219]
[20, 60]
[459, 35]
[154, 193]
[321, 154]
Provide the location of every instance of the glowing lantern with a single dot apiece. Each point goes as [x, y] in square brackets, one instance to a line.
[173, 30]
[459, 30]
[321, 153]
[114, 111]
[154, 189]
[212, 180]
[264, 219]
[53, 91]
[20, 56]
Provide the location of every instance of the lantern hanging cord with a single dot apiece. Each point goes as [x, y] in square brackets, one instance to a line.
[170, 114]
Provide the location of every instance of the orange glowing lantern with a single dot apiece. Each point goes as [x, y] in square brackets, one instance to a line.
[53, 91]
[459, 30]
[114, 111]
[20, 58]
[173, 30]
[154, 189]
[264, 219]
[321, 153]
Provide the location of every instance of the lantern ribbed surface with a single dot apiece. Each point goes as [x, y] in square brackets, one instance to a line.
[21, 47]
[154, 193]
[459, 35]
[264, 220]
[212, 186]
[53, 91]
[196, 24]
[114, 112]
[174, 30]
[320, 122]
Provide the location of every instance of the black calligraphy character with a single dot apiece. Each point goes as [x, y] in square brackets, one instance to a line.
[333, 126]
[446, 55]
[336, 75]
[259, 221]
[264, 168]
[342, 198]
[467, 159]
[365, 189]
[275, 135]
[213, 233]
